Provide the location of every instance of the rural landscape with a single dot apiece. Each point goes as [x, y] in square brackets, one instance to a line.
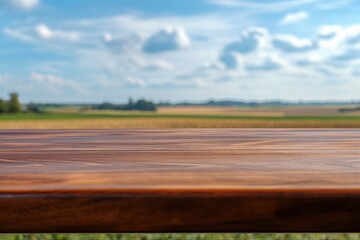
[147, 114]
[79, 78]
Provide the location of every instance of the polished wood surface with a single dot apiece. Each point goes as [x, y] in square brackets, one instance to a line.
[197, 180]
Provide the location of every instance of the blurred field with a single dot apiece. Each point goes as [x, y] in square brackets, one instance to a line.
[187, 117]
[229, 111]
[328, 110]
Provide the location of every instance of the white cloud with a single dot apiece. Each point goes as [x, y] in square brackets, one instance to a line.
[153, 69]
[229, 60]
[266, 6]
[40, 78]
[329, 31]
[210, 67]
[353, 34]
[37, 86]
[20, 4]
[268, 64]
[154, 65]
[157, 65]
[294, 17]
[253, 52]
[340, 39]
[42, 32]
[122, 44]
[45, 33]
[135, 82]
[348, 55]
[226, 3]
[249, 41]
[328, 5]
[123, 25]
[264, 52]
[168, 39]
[119, 57]
[292, 44]
[349, 34]
[52, 81]
[20, 35]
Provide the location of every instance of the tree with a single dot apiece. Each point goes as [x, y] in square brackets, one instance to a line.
[130, 105]
[144, 105]
[32, 108]
[14, 105]
[2, 106]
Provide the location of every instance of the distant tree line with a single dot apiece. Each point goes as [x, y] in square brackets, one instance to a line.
[140, 105]
[213, 103]
[12, 105]
[229, 103]
[354, 109]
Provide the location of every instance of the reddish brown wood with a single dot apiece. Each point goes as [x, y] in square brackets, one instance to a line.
[197, 180]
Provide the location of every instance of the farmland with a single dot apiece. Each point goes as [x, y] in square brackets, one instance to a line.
[186, 117]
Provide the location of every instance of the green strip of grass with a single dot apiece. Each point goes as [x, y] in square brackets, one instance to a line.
[53, 116]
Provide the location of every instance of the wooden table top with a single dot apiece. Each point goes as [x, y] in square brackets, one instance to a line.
[180, 180]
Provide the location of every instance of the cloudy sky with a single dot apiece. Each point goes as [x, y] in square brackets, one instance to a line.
[109, 50]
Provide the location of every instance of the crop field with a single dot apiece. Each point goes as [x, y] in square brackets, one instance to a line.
[186, 117]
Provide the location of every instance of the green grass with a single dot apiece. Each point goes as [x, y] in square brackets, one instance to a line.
[159, 120]
[71, 116]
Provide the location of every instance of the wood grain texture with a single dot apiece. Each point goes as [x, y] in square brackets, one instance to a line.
[185, 180]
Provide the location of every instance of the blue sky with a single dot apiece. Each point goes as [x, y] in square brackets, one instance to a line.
[109, 50]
